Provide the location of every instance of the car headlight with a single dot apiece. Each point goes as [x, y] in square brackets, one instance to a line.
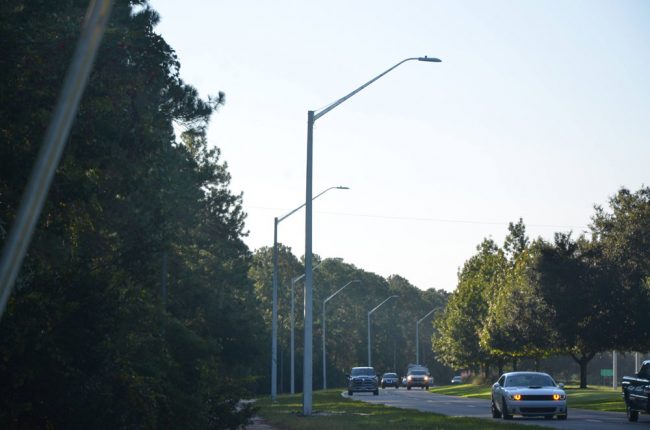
[559, 396]
[516, 397]
[426, 378]
[408, 378]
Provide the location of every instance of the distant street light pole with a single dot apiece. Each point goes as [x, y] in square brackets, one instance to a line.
[325, 331]
[369, 342]
[417, 335]
[293, 325]
[312, 116]
[274, 317]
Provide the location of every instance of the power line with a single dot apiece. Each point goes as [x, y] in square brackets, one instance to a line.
[431, 219]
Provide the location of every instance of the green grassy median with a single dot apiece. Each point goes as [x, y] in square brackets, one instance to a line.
[331, 411]
[595, 398]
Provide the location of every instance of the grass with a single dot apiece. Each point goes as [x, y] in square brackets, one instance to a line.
[596, 398]
[331, 411]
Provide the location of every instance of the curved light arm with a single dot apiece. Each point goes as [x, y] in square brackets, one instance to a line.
[379, 305]
[339, 290]
[344, 98]
[298, 278]
[424, 317]
[314, 198]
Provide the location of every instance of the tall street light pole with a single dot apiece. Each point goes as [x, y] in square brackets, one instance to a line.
[369, 342]
[274, 317]
[293, 325]
[325, 331]
[417, 335]
[312, 116]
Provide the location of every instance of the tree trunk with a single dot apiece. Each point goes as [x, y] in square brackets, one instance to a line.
[486, 370]
[500, 366]
[583, 361]
[514, 364]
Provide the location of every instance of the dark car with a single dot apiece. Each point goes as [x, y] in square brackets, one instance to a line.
[363, 380]
[390, 380]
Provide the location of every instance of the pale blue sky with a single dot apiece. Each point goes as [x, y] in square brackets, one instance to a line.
[540, 109]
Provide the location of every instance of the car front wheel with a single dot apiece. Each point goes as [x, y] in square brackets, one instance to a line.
[632, 415]
[495, 411]
[504, 411]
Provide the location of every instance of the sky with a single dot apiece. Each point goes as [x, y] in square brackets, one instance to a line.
[539, 110]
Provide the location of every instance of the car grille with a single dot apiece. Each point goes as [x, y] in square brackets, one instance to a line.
[537, 397]
[363, 384]
[537, 410]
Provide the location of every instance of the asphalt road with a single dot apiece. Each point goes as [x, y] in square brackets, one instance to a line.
[579, 419]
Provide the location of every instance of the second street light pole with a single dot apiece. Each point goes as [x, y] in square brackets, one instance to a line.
[325, 329]
[311, 119]
[293, 325]
[417, 335]
[274, 311]
[369, 342]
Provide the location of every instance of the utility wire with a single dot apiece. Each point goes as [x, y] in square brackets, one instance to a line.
[430, 219]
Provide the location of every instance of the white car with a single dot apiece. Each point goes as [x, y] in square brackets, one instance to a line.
[528, 394]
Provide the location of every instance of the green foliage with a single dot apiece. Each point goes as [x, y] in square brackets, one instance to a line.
[458, 344]
[87, 341]
[573, 296]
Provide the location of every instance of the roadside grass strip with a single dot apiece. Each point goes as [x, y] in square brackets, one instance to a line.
[596, 398]
[332, 411]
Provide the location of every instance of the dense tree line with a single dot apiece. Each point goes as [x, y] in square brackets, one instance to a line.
[573, 296]
[133, 308]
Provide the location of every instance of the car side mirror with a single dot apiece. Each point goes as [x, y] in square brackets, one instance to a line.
[561, 385]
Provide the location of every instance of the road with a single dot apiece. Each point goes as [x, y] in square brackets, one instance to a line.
[579, 419]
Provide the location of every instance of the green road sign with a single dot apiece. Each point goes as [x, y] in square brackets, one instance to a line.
[606, 372]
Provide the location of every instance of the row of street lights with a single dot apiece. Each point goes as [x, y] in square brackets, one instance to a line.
[312, 116]
[274, 316]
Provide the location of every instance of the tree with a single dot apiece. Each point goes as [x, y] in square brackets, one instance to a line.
[460, 326]
[622, 236]
[517, 322]
[576, 287]
[88, 340]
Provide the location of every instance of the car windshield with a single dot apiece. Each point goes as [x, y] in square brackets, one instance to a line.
[418, 372]
[363, 371]
[390, 375]
[530, 380]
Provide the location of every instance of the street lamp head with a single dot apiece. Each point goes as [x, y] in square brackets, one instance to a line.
[342, 188]
[430, 60]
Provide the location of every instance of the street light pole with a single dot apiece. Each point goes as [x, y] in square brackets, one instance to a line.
[369, 343]
[274, 312]
[312, 116]
[293, 325]
[325, 331]
[417, 335]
